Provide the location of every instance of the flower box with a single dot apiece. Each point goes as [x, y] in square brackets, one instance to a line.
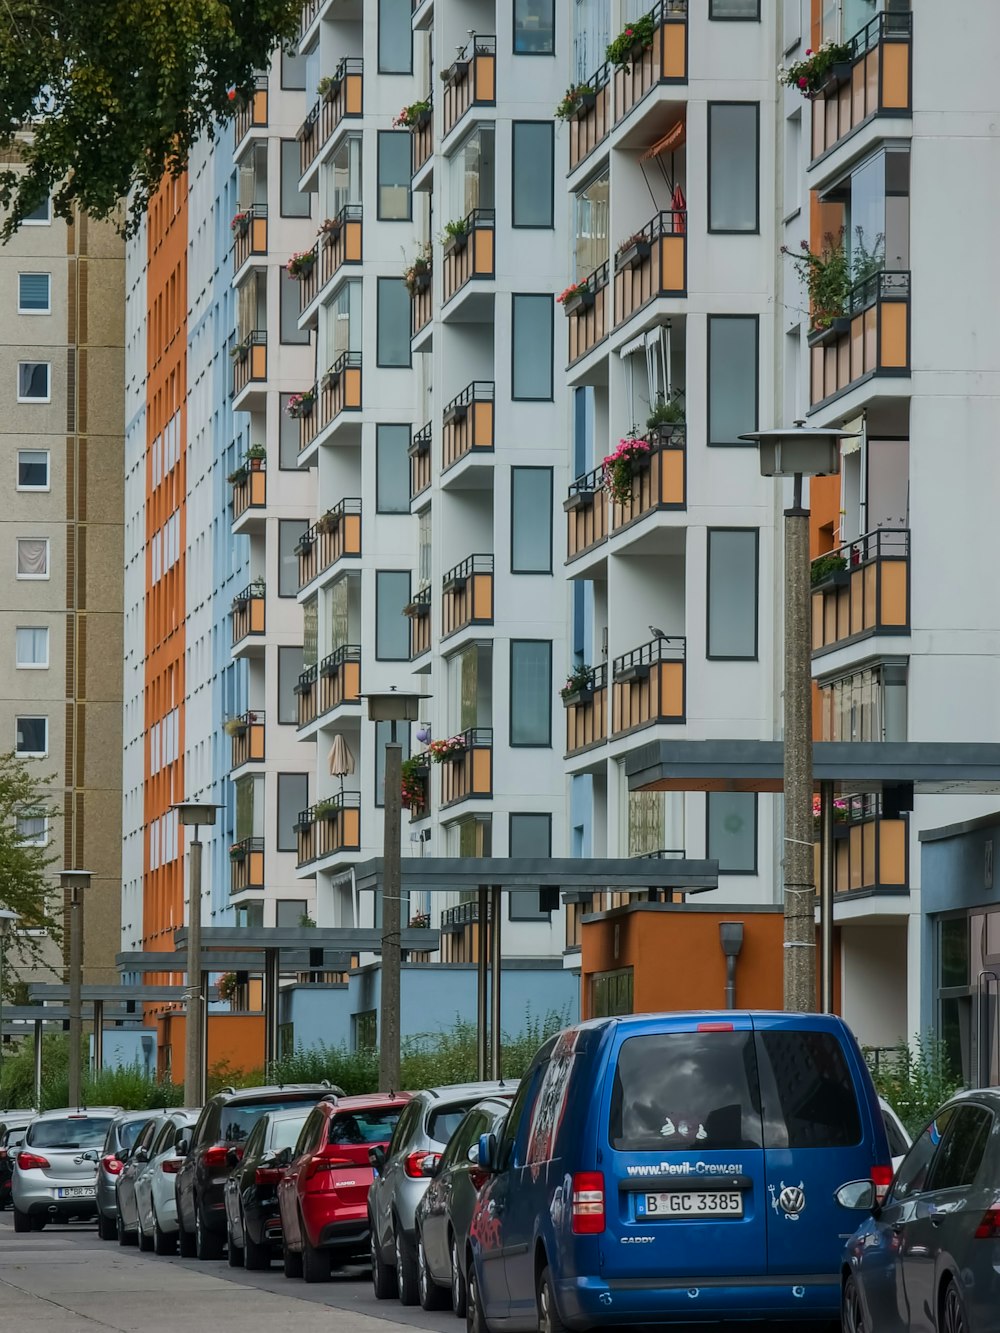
[631, 674]
[667, 432]
[418, 447]
[841, 71]
[837, 578]
[578, 697]
[634, 256]
[302, 687]
[456, 244]
[582, 299]
[238, 477]
[585, 103]
[636, 51]
[237, 853]
[417, 610]
[837, 327]
[304, 545]
[640, 464]
[421, 120]
[332, 89]
[578, 500]
[841, 830]
[329, 669]
[421, 281]
[456, 583]
[458, 71]
[455, 412]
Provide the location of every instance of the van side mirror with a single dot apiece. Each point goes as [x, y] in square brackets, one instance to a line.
[376, 1156]
[486, 1153]
[182, 1145]
[857, 1195]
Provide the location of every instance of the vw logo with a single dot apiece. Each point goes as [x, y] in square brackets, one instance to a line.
[792, 1200]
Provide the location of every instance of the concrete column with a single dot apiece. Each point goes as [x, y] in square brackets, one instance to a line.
[827, 874]
[482, 1005]
[39, 1031]
[75, 1001]
[194, 1048]
[389, 1016]
[496, 1034]
[271, 972]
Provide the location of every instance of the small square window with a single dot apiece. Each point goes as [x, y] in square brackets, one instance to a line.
[40, 216]
[32, 830]
[32, 647]
[33, 382]
[33, 736]
[33, 294]
[32, 469]
[32, 557]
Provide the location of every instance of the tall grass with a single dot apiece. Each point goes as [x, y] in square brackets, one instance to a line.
[916, 1080]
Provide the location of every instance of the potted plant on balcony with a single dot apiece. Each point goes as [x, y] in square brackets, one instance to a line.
[226, 987]
[238, 476]
[258, 588]
[301, 264]
[413, 117]
[240, 350]
[329, 86]
[240, 222]
[455, 237]
[630, 44]
[827, 279]
[254, 457]
[414, 773]
[301, 404]
[237, 852]
[832, 61]
[326, 809]
[633, 251]
[631, 456]
[841, 817]
[417, 610]
[579, 687]
[828, 571]
[420, 921]
[666, 416]
[418, 276]
[576, 102]
[455, 72]
[235, 726]
[576, 298]
[327, 521]
[442, 751]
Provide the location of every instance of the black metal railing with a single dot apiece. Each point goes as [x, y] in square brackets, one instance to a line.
[479, 44]
[479, 391]
[588, 482]
[472, 564]
[671, 648]
[421, 441]
[332, 663]
[891, 27]
[889, 543]
[893, 283]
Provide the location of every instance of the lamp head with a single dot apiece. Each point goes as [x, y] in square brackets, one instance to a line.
[799, 450]
[731, 938]
[195, 813]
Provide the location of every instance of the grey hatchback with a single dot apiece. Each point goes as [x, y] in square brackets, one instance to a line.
[122, 1134]
[55, 1171]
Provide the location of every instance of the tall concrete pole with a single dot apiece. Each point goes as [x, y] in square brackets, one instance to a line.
[194, 1050]
[482, 992]
[827, 870]
[496, 952]
[389, 1017]
[75, 1000]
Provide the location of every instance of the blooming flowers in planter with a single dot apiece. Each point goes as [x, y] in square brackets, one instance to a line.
[301, 404]
[420, 921]
[412, 116]
[618, 467]
[300, 265]
[575, 98]
[629, 45]
[240, 222]
[576, 297]
[418, 276]
[413, 772]
[841, 811]
[440, 751]
[237, 852]
[812, 74]
[579, 679]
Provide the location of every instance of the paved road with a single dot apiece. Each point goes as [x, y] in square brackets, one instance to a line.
[65, 1280]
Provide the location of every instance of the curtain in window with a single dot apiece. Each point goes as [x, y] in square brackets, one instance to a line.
[32, 555]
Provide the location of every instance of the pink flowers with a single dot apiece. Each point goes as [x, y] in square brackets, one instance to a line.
[300, 265]
[300, 404]
[803, 83]
[569, 291]
[440, 751]
[618, 467]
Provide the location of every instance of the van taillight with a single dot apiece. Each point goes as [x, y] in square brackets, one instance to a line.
[989, 1227]
[588, 1203]
[219, 1155]
[881, 1179]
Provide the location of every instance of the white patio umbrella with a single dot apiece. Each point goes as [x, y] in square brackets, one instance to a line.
[341, 759]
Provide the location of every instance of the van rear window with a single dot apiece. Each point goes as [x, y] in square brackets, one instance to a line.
[809, 1096]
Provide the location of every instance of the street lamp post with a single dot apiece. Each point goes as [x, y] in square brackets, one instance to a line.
[192, 815]
[7, 919]
[76, 882]
[798, 452]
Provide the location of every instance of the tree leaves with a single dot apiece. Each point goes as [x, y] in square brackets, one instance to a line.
[25, 885]
[99, 99]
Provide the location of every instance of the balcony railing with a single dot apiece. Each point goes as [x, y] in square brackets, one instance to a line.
[871, 338]
[421, 301]
[586, 507]
[663, 62]
[878, 82]
[467, 595]
[460, 932]
[659, 479]
[648, 685]
[587, 714]
[250, 493]
[328, 684]
[588, 314]
[248, 613]
[654, 265]
[419, 612]
[247, 735]
[422, 142]
[471, 81]
[252, 113]
[470, 255]
[468, 774]
[340, 243]
[250, 235]
[308, 17]
[334, 536]
[467, 423]
[329, 827]
[246, 865]
[250, 361]
[869, 595]
[344, 99]
[591, 122]
[870, 852]
[420, 461]
[338, 391]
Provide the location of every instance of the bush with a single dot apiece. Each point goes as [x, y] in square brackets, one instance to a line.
[128, 1087]
[916, 1080]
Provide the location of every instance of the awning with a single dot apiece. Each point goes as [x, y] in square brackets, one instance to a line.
[668, 143]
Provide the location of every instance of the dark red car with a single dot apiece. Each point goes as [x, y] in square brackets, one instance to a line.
[323, 1192]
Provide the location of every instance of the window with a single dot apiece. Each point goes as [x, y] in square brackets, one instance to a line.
[293, 798]
[911, 1178]
[808, 1090]
[383, 735]
[531, 347]
[961, 1155]
[393, 323]
[32, 469]
[732, 378]
[734, 9]
[32, 647]
[733, 166]
[472, 173]
[288, 305]
[530, 692]
[33, 382]
[394, 175]
[33, 294]
[531, 520]
[731, 836]
[32, 736]
[530, 835]
[392, 629]
[532, 150]
[288, 437]
[293, 70]
[40, 216]
[534, 27]
[289, 669]
[289, 532]
[366, 1034]
[32, 557]
[392, 470]
[590, 210]
[32, 830]
[395, 37]
[732, 593]
[294, 202]
[793, 171]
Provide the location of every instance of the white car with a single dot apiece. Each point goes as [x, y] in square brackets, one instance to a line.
[155, 1199]
[899, 1140]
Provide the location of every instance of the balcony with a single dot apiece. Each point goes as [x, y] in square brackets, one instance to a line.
[422, 140]
[648, 686]
[421, 301]
[870, 852]
[460, 932]
[587, 714]
[467, 423]
[417, 790]
[467, 595]
[587, 314]
[659, 480]
[589, 125]
[325, 686]
[247, 735]
[877, 82]
[339, 244]
[419, 612]
[665, 62]
[249, 498]
[871, 338]
[420, 461]
[329, 827]
[342, 100]
[470, 81]
[250, 232]
[249, 365]
[338, 391]
[252, 113]
[469, 255]
[653, 265]
[468, 774]
[248, 613]
[586, 509]
[868, 595]
[334, 536]
[246, 865]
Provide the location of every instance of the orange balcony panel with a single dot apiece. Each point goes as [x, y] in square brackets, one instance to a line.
[329, 827]
[663, 62]
[586, 508]
[879, 82]
[343, 99]
[251, 236]
[252, 114]
[334, 536]
[247, 733]
[659, 481]
[248, 615]
[419, 612]
[467, 423]
[250, 493]
[471, 81]
[653, 267]
[246, 865]
[251, 361]
[870, 595]
[421, 302]
[589, 126]
[870, 852]
[648, 686]
[469, 774]
[329, 684]
[420, 461]
[471, 255]
[588, 314]
[467, 595]
[587, 714]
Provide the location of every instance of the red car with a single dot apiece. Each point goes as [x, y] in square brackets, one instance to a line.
[323, 1192]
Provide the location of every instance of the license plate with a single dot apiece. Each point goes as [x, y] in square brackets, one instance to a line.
[76, 1192]
[696, 1203]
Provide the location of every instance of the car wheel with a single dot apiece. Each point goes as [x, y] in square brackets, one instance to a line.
[38, 1223]
[316, 1264]
[432, 1297]
[145, 1242]
[107, 1227]
[292, 1263]
[953, 1318]
[475, 1320]
[185, 1243]
[255, 1257]
[164, 1242]
[22, 1222]
[124, 1237]
[457, 1282]
[234, 1252]
[207, 1245]
[548, 1315]
[852, 1314]
[406, 1269]
[383, 1282]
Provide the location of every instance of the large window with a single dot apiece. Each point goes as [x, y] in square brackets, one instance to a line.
[531, 520]
[733, 166]
[732, 592]
[294, 202]
[472, 173]
[532, 149]
[534, 27]
[32, 647]
[32, 736]
[293, 798]
[40, 215]
[33, 382]
[383, 735]
[289, 532]
[530, 836]
[392, 469]
[32, 469]
[395, 37]
[530, 692]
[590, 208]
[394, 175]
[290, 912]
[289, 670]
[32, 557]
[33, 295]
[392, 629]
[732, 378]
[868, 705]
[293, 70]
[531, 347]
[288, 303]
[31, 830]
[393, 323]
[731, 831]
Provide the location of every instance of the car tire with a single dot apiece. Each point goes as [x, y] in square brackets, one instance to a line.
[22, 1222]
[164, 1242]
[953, 1316]
[317, 1265]
[432, 1297]
[257, 1258]
[407, 1290]
[383, 1280]
[145, 1242]
[107, 1227]
[457, 1281]
[38, 1222]
[292, 1262]
[185, 1243]
[548, 1314]
[207, 1245]
[124, 1237]
[234, 1252]
[475, 1320]
[852, 1314]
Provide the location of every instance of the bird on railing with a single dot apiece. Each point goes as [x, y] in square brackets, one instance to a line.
[656, 633]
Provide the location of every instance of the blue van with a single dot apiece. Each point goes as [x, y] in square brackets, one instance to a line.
[666, 1168]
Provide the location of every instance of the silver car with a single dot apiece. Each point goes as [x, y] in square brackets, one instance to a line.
[55, 1171]
[122, 1134]
[402, 1172]
[155, 1195]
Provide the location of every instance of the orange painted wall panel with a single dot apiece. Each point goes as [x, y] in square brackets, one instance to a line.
[236, 1040]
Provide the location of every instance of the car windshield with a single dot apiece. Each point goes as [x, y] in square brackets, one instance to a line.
[374, 1126]
[75, 1131]
[238, 1121]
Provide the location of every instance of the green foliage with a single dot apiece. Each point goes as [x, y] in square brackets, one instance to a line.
[830, 276]
[916, 1080]
[811, 75]
[638, 33]
[666, 412]
[128, 1087]
[825, 565]
[118, 92]
[25, 884]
